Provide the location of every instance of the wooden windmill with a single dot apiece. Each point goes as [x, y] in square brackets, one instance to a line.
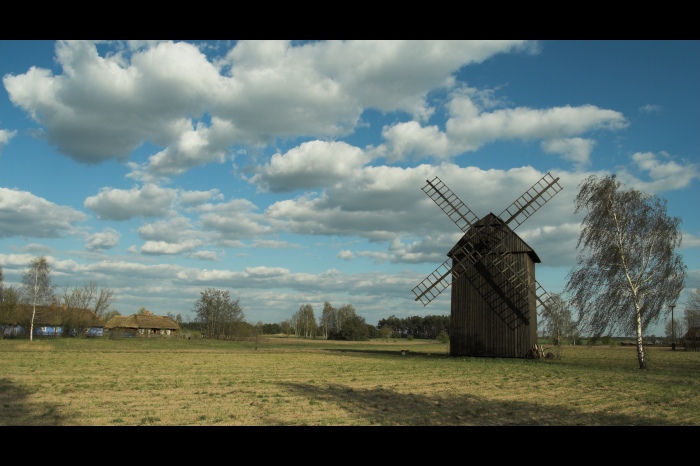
[492, 273]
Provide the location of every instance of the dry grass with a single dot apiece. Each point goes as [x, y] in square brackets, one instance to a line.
[285, 381]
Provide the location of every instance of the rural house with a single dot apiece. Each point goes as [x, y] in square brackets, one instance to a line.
[142, 325]
[50, 321]
[691, 339]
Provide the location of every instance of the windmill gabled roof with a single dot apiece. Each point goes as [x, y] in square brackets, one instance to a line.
[484, 226]
[137, 321]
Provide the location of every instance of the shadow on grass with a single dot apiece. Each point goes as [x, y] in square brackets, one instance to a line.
[392, 352]
[383, 407]
[17, 410]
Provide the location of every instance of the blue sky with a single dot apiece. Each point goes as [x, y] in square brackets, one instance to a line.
[291, 172]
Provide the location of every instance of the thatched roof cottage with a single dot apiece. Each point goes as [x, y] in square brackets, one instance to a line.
[142, 325]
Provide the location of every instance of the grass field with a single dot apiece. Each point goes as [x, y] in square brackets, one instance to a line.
[287, 381]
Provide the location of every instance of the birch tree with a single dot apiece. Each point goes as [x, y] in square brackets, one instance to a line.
[345, 313]
[37, 287]
[627, 269]
[327, 320]
[304, 321]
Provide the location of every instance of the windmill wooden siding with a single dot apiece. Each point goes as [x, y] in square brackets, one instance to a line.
[490, 316]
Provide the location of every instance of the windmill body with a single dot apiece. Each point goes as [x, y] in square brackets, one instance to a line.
[489, 317]
[495, 294]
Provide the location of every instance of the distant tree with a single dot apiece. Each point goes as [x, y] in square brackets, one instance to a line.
[89, 296]
[575, 337]
[78, 297]
[692, 310]
[9, 307]
[37, 287]
[175, 318]
[434, 325]
[385, 331]
[348, 325]
[271, 329]
[304, 322]
[219, 314]
[103, 301]
[556, 320]
[354, 329]
[142, 311]
[396, 325]
[690, 319]
[627, 271]
[427, 327]
[328, 319]
[294, 323]
[36, 283]
[109, 314]
[372, 330]
[310, 324]
[258, 333]
[693, 301]
[414, 324]
[268, 329]
[9, 298]
[344, 314]
[285, 327]
[675, 329]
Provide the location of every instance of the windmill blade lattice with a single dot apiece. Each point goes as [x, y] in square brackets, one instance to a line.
[504, 301]
[448, 201]
[476, 246]
[434, 284]
[442, 277]
[517, 277]
[534, 198]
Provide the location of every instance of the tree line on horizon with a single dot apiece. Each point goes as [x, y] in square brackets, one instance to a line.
[628, 274]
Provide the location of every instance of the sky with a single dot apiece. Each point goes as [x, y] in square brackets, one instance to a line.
[291, 172]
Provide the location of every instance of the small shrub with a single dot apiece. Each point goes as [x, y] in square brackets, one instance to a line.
[409, 338]
[443, 337]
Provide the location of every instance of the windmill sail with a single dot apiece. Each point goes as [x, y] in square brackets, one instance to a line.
[468, 251]
[534, 198]
[476, 245]
[448, 201]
